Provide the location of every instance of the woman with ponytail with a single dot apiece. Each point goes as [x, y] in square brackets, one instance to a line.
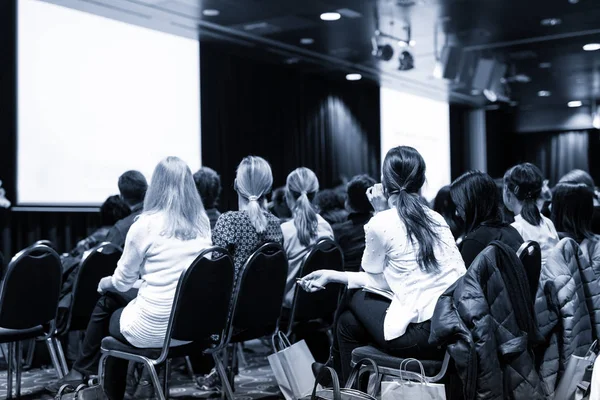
[410, 251]
[522, 187]
[306, 226]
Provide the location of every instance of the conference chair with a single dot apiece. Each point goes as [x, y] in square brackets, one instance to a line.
[530, 255]
[97, 263]
[199, 316]
[28, 304]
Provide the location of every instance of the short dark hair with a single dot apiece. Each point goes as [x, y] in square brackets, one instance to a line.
[357, 193]
[443, 205]
[112, 210]
[328, 200]
[475, 194]
[208, 183]
[133, 186]
[572, 210]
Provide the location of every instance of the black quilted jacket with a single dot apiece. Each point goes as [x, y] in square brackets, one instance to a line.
[486, 321]
[589, 267]
[562, 312]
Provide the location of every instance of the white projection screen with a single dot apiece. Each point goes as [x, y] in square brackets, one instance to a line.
[422, 123]
[97, 97]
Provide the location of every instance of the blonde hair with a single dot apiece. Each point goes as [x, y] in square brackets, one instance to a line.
[253, 181]
[173, 192]
[301, 186]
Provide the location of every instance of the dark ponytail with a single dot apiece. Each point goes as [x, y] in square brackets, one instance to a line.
[403, 176]
[525, 182]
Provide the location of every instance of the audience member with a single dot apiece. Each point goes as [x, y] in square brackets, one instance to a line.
[132, 186]
[306, 226]
[582, 177]
[522, 188]
[443, 205]
[507, 215]
[208, 183]
[572, 210]
[331, 206]
[165, 239]
[409, 250]
[278, 205]
[350, 235]
[478, 203]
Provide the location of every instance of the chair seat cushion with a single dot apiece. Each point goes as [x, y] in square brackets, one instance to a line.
[111, 344]
[432, 367]
[14, 335]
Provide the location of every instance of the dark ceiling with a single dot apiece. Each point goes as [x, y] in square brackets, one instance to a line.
[550, 58]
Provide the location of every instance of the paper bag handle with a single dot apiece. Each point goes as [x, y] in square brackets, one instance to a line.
[404, 369]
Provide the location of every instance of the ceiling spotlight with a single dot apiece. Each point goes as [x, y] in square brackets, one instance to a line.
[574, 103]
[545, 65]
[402, 43]
[406, 61]
[551, 21]
[331, 16]
[544, 93]
[307, 40]
[412, 43]
[591, 47]
[210, 12]
[353, 77]
[384, 52]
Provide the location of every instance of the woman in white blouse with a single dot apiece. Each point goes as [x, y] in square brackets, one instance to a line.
[410, 251]
[162, 243]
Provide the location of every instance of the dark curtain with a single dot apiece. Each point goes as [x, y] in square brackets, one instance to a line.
[290, 118]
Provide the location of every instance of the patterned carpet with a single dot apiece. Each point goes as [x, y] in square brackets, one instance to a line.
[255, 381]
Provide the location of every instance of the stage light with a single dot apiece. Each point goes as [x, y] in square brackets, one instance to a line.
[544, 93]
[490, 95]
[353, 77]
[210, 12]
[574, 103]
[591, 47]
[331, 16]
[307, 41]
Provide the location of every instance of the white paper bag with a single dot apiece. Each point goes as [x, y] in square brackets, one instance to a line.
[292, 367]
[407, 390]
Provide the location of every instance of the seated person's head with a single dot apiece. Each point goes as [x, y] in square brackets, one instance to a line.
[328, 200]
[279, 205]
[578, 176]
[208, 184]
[572, 210]
[113, 210]
[356, 200]
[523, 186]
[253, 182]
[301, 187]
[476, 198]
[133, 186]
[443, 205]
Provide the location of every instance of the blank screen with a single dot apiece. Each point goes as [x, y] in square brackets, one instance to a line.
[97, 97]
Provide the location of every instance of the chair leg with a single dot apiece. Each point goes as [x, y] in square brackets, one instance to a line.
[227, 391]
[155, 381]
[19, 361]
[61, 355]
[241, 357]
[54, 358]
[167, 376]
[188, 364]
[29, 354]
[9, 375]
[101, 367]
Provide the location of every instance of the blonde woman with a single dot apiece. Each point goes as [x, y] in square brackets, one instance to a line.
[306, 226]
[169, 234]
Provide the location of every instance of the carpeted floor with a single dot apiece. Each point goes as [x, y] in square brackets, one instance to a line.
[255, 381]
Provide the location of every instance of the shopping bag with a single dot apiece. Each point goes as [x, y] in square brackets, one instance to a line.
[337, 393]
[292, 368]
[404, 389]
[574, 374]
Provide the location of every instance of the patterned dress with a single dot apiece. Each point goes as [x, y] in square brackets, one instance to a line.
[235, 232]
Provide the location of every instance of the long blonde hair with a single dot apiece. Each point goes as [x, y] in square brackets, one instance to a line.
[173, 192]
[253, 182]
[301, 186]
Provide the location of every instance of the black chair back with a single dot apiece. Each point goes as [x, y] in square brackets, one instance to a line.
[99, 262]
[203, 295]
[530, 255]
[31, 288]
[325, 254]
[259, 293]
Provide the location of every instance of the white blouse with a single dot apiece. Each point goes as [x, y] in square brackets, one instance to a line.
[545, 234]
[390, 263]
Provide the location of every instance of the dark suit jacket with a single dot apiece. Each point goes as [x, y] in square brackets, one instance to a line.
[118, 232]
[350, 235]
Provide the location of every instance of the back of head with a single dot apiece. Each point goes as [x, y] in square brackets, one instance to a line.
[578, 176]
[112, 210]
[328, 200]
[280, 207]
[253, 182]
[525, 182]
[572, 210]
[443, 205]
[476, 199]
[403, 176]
[208, 184]
[173, 192]
[301, 187]
[357, 194]
[133, 186]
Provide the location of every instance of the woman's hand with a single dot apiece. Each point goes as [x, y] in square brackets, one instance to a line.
[318, 279]
[105, 285]
[377, 197]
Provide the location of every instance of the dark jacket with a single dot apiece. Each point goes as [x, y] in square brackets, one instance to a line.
[350, 235]
[486, 321]
[589, 267]
[118, 232]
[562, 312]
[478, 239]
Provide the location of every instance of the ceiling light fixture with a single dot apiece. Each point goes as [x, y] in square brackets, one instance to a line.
[591, 47]
[307, 40]
[574, 103]
[210, 12]
[353, 77]
[545, 65]
[402, 43]
[544, 93]
[551, 21]
[331, 16]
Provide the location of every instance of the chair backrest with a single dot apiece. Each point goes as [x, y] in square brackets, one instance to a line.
[201, 304]
[30, 289]
[325, 254]
[530, 255]
[97, 263]
[259, 292]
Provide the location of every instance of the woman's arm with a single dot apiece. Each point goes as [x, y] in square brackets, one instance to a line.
[128, 268]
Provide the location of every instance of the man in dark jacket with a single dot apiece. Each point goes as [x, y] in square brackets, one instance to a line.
[486, 321]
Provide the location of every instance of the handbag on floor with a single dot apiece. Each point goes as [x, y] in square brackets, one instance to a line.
[574, 374]
[90, 391]
[404, 389]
